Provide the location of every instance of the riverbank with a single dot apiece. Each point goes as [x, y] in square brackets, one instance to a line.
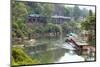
[20, 57]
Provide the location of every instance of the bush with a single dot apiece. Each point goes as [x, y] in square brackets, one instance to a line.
[19, 57]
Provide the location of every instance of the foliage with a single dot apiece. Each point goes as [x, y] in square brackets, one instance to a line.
[42, 9]
[84, 12]
[90, 22]
[19, 57]
[22, 9]
[20, 29]
[76, 12]
[70, 27]
[19, 14]
[89, 25]
[67, 11]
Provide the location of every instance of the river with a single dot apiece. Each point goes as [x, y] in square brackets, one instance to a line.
[55, 52]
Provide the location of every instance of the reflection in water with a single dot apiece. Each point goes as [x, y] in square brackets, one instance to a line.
[70, 57]
[57, 56]
[49, 56]
[49, 53]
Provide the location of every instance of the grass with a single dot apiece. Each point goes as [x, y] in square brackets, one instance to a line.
[19, 57]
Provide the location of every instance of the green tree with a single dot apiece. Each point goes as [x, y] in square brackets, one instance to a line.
[89, 25]
[68, 11]
[20, 10]
[84, 12]
[76, 12]
[42, 9]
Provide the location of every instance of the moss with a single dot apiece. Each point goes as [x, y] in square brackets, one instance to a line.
[19, 57]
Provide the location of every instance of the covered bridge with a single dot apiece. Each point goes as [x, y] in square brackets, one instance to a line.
[37, 18]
